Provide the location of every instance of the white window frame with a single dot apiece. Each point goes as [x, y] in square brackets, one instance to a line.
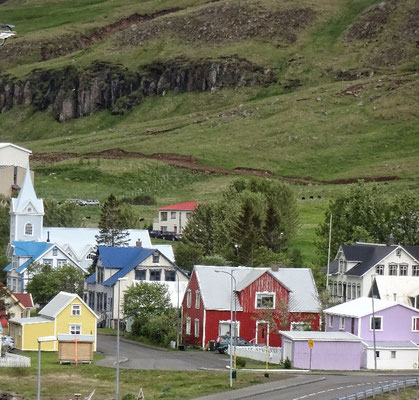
[229, 324]
[196, 327]
[413, 324]
[163, 215]
[393, 354]
[197, 299]
[302, 324]
[75, 329]
[261, 294]
[330, 321]
[405, 269]
[188, 298]
[380, 317]
[172, 214]
[188, 326]
[76, 310]
[379, 269]
[61, 262]
[392, 267]
[415, 270]
[341, 323]
[28, 225]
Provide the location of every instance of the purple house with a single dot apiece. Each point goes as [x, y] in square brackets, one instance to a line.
[322, 350]
[392, 321]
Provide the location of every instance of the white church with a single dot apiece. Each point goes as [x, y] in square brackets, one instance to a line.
[31, 242]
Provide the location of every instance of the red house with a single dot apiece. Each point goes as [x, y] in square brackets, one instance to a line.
[265, 301]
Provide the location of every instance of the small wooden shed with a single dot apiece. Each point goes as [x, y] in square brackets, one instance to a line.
[75, 348]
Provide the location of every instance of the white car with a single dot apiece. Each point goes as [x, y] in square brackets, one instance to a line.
[8, 341]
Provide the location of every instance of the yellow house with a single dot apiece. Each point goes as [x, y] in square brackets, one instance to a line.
[66, 313]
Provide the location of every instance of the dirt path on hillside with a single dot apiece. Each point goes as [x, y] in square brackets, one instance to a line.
[191, 164]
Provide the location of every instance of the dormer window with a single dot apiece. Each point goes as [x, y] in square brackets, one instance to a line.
[156, 257]
[29, 229]
[265, 300]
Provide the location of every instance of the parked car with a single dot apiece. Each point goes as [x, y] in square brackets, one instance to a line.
[222, 342]
[91, 202]
[165, 235]
[8, 341]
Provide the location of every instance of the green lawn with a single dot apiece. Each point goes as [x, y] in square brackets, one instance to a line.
[60, 382]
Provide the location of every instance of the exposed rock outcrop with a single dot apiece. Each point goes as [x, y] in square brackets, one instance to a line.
[71, 93]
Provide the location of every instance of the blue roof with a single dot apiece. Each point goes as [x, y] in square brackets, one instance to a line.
[28, 249]
[31, 249]
[91, 278]
[123, 258]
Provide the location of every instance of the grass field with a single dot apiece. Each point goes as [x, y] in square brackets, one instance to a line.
[60, 382]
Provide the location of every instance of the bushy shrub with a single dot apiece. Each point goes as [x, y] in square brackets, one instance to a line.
[287, 363]
[241, 362]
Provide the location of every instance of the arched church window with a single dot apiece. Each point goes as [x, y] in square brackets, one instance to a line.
[28, 229]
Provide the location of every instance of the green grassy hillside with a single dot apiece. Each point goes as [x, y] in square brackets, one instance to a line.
[343, 106]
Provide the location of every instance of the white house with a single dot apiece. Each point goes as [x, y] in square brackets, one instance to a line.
[13, 163]
[354, 267]
[127, 266]
[403, 289]
[175, 217]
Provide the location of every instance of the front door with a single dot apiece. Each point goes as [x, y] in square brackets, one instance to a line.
[262, 333]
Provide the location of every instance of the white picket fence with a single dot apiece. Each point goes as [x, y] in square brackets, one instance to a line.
[259, 353]
[14, 360]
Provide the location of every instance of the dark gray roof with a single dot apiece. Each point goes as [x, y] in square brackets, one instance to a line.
[413, 251]
[333, 267]
[368, 255]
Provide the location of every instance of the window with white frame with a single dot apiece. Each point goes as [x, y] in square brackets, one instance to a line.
[392, 269]
[156, 257]
[196, 327]
[341, 323]
[354, 291]
[163, 216]
[358, 291]
[403, 269]
[398, 252]
[376, 323]
[173, 215]
[76, 310]
[415, 270]
[75, 329]
[61, 262]
[188, 326]
[188, 298]
[265, 300]
[224, 328]
[379, 269]
[340, 289]
[393, 354]
[47, 261]
[415, 324]
[140, 274]
[54, 251]
[197, 299]
[29, 229]
[330, 321]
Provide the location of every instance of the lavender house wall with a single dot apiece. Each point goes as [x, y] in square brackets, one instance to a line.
[347, 324]
[397, 325]
[333, 355]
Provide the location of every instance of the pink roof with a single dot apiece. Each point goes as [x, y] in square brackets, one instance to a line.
[187, 206]
[25, 299]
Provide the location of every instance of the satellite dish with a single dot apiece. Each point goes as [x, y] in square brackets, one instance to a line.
[415, 365]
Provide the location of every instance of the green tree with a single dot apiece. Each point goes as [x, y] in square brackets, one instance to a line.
[65, 214]
[148, 304]
[47, 282]
[272, 227]
[112, 224]
[187, 255]
[4, 234]
[404, 219]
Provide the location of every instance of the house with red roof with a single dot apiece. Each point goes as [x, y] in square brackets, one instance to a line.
[263, 301]
[174, 218]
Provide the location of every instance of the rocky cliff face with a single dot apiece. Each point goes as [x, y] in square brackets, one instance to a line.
[71, 93]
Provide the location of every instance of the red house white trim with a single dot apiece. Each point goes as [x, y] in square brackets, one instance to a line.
[264, 301]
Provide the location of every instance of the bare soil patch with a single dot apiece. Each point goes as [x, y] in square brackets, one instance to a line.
[225, 22]
[191, 164]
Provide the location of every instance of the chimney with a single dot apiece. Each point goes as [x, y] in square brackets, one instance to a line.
[48, 237]
[275, 267]
[390, 240]
[138, 243]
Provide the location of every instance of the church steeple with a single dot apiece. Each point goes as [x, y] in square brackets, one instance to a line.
[26, 213]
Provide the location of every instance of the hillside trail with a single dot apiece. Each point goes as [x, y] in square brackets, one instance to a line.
[191, 164]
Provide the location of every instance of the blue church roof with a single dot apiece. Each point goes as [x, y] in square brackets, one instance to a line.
[8, 267]
[91, 278]
[123, 258]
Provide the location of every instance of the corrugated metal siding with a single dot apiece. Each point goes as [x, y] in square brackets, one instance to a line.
[193, 313]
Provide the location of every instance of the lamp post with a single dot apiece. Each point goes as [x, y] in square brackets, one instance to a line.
[117, 339]
[231, 321]
[40, 340]
[373, 322]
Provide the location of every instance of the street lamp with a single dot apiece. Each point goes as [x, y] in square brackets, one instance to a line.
[117, 339]
[40, 340]
[231, 321]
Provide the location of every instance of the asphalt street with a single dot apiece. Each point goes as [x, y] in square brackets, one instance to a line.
[137, 356]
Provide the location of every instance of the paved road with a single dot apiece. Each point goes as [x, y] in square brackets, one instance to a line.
[136, 356]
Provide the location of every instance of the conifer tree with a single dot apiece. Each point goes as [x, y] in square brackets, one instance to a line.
[112, 225]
